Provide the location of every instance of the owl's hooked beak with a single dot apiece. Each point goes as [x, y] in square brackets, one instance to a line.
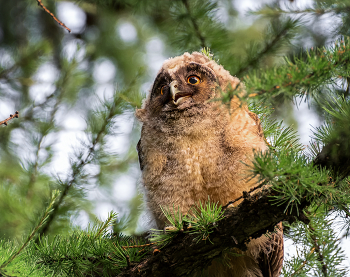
[178, 96]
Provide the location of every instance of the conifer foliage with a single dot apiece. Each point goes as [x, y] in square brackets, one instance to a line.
[83, 87]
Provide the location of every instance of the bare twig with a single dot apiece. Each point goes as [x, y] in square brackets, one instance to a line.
[53, 16]
[16, 115]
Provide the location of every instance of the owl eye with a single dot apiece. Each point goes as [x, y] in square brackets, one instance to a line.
[161, 90]
[193, 80]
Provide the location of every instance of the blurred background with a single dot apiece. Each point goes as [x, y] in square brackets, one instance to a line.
[63, 83]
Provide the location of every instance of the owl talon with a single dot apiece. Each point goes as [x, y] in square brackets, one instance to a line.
[187, 226]
[169, 229]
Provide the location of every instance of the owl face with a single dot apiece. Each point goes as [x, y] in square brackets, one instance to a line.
[186, 83]
[183, 87]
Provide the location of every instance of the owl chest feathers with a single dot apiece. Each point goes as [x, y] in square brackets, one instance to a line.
[199, 157]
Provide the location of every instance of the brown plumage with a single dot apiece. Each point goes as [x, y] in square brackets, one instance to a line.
[192, 148]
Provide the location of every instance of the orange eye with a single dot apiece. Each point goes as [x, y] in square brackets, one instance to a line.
[161, 90]
[193, 80]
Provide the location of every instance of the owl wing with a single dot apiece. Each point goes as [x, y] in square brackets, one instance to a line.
[140, 154]
[271, 263]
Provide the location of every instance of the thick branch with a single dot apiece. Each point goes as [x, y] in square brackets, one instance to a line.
[183, 256]
[252, 218]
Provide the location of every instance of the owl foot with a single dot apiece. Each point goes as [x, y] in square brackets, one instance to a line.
[170, 229]
[174, 229]
[232, 205]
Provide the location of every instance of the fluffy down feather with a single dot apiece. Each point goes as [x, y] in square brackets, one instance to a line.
[199, 148]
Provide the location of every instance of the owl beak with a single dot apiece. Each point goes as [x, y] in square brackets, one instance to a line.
[174, 90]
[176, 93]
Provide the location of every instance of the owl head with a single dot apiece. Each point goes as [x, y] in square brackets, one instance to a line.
[186, 82]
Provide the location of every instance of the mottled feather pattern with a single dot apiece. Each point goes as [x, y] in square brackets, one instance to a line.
[271, 259]
[194, 148]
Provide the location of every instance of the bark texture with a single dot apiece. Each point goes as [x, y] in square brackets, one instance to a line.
[184, 256]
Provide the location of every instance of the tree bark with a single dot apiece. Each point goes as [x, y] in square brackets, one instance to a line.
[184, 256]
[255, 216]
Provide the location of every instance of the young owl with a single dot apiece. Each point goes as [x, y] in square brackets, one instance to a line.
[193, 148]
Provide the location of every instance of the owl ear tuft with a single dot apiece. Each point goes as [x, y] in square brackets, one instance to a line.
[140, 114]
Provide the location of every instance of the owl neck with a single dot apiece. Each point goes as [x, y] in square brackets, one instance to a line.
[191, 122]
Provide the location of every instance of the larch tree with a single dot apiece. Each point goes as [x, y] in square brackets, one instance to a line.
[72, 74]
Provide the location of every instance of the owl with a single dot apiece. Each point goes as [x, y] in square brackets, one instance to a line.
[193, 147]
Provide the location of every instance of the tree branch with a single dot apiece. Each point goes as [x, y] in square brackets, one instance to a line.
[53, 16]
[335, 155]
[16, 115]
[304, 263]
[195, 25]
[266, 49]
[320, 74]
[32, 234]
[69, 184]
[34, 174]
[318, 251]
[77, 170]
[184, 256]
[272, 11]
